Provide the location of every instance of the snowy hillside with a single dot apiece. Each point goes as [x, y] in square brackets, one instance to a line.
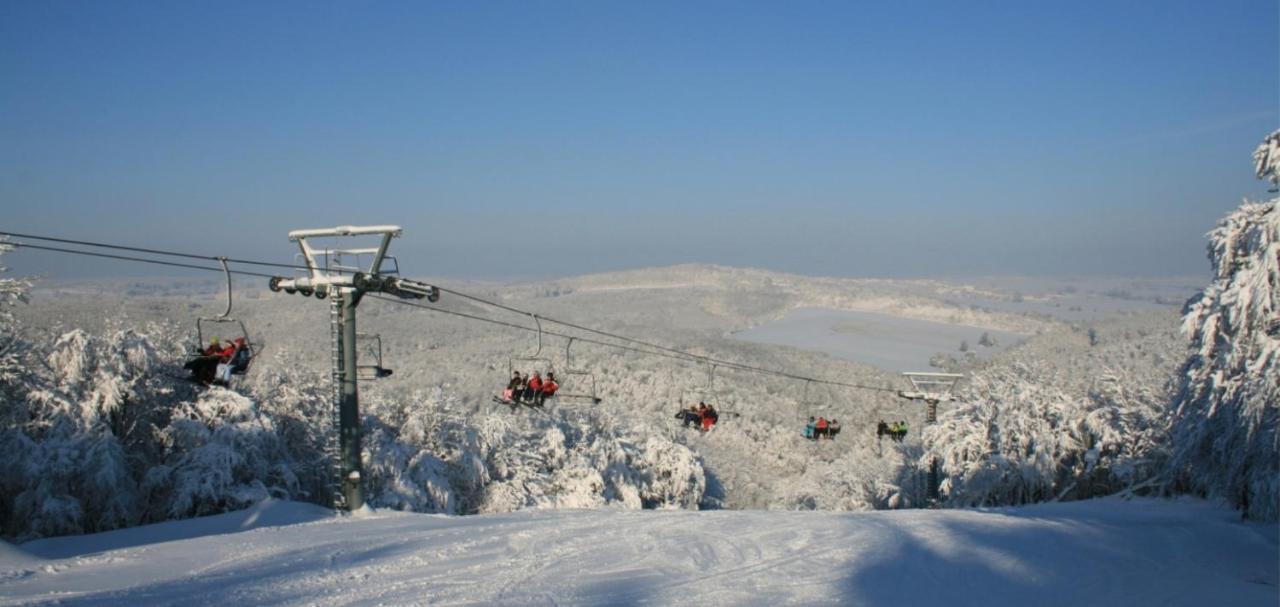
[1107, 552]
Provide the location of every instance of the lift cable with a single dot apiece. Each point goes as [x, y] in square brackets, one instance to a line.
[23, 245]
[688, 355]
[663, 351]
[117, 247]
[513, 325]
[669, 353]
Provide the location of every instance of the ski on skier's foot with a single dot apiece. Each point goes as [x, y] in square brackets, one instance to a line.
[515, 404]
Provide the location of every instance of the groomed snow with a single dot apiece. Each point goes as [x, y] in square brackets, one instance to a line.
[1101, 552]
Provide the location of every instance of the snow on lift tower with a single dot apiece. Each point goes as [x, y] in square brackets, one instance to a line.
[322, 279]
[348, 284]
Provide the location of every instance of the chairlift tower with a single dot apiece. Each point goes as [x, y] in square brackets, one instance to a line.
[329, 274]
[932, 388]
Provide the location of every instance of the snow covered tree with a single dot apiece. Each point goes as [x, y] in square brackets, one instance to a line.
[1266, 159]
[15, 383]
[403, 448]
[1227, 432]
[221, 454]
[298, 401]
[84, 427]
[12, 345]
[1020, 440]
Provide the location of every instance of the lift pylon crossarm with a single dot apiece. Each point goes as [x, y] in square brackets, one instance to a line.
[391, 230]
[930, 386]
[321, 279]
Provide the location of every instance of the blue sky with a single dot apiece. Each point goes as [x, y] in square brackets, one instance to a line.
[542, 139]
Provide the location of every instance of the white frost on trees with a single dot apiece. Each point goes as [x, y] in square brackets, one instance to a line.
[1228, 404]
[1020, 440]
[1266, 159]
[221, 454]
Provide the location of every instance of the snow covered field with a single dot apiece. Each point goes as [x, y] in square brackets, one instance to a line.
[1102, 552]
[889, 342]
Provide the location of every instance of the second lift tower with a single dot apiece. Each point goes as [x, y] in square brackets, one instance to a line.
[345, 275]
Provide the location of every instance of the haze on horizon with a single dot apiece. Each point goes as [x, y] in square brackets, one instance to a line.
[543, 140]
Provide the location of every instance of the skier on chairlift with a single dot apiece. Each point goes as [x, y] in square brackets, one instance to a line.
[709, 417]
[690, 416]
[515, 387]
[204, 365]
[227, 361]
[533, 387]
[240, 360]
[547, 390]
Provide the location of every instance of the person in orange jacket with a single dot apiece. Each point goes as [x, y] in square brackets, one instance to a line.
[549, 388]
[820, 429]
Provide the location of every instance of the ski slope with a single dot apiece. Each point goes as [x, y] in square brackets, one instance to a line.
[1101, 552]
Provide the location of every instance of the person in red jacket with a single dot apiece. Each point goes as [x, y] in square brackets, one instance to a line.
[534, 387]
[820, 430]
[709, 417]
[549, 388]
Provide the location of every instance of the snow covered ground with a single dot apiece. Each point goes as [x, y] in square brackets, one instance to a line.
[1102, 552]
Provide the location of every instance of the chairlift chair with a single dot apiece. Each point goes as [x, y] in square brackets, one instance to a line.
[205, 326]
[587, 378]
[373, 343]
[536, 360]
[705, 394]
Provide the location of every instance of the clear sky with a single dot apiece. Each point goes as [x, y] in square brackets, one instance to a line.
[548, 138]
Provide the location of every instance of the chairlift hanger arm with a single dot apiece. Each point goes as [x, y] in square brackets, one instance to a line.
[227, 272]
